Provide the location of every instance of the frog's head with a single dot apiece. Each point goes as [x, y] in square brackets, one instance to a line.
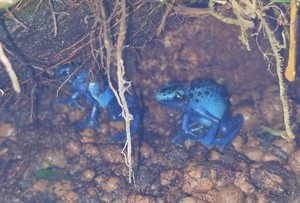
[69, 72]
[173, 94]
[62, 71]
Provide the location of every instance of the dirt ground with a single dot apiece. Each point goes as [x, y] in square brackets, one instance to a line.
[52, 160]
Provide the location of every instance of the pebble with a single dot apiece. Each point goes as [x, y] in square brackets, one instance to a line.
[230, 194]
[87, 175]
[137, 198]
[7, 130]
[55, 158]
[195, 180]
[294, 162]
[91, 150]
[109, 184]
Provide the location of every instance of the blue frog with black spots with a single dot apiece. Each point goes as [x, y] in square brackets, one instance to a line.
[205, 106]
[99, 95]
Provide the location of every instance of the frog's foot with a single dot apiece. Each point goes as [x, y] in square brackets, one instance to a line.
[72, 103]
[231, 131]
[90, 123]
[179, 139]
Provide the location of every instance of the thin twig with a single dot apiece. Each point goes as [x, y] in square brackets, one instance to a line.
[195, 12]
[12, 16]
[53, 14]
[164, 17]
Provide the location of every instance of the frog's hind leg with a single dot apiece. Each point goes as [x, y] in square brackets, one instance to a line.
[208, 139]
[185, 131]
[230, 131]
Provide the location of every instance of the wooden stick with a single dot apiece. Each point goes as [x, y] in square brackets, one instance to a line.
[290, 70]
[11, 73]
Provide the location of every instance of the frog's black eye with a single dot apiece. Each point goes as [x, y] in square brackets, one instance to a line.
[66, 71]
[179, 97]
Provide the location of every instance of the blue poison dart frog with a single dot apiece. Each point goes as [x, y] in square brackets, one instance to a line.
[99, 95]
[205, 106]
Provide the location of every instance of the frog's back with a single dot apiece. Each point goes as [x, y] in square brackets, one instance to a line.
[209, 95]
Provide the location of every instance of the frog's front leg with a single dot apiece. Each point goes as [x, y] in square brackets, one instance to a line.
[209, 137]
[185, 131]
[193, 133]
[197, 132]
[72, 101]
[229, 129]
[92, 119]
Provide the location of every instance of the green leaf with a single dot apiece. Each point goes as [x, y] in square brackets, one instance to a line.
[281, 1]
[4, 4]
[52, 173]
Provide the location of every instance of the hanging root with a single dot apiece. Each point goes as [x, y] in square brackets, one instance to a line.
[123, 85]
[244, 11]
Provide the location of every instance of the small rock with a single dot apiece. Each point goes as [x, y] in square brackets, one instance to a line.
[87, 175]
[196, 179]
[230, 194]
[61, 188]
[135, 198]
[109, 184]
[55, 158]
[146, 150]
[243, 182]
[272, 178]
[294, 162]
[251, 117]
[7, 130]
[39, 186]
[73, 148]
[88, 136]
[112, 154]
[91, 150]
[70, 197]
[191, 200]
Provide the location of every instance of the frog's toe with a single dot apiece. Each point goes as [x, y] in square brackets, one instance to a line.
[179, 139]
[88, 124]
[72, 103]
[223, 142]
[76, 105]
[63, 101]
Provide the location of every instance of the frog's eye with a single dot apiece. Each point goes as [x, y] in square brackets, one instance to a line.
[178, 97]
[66, 71]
